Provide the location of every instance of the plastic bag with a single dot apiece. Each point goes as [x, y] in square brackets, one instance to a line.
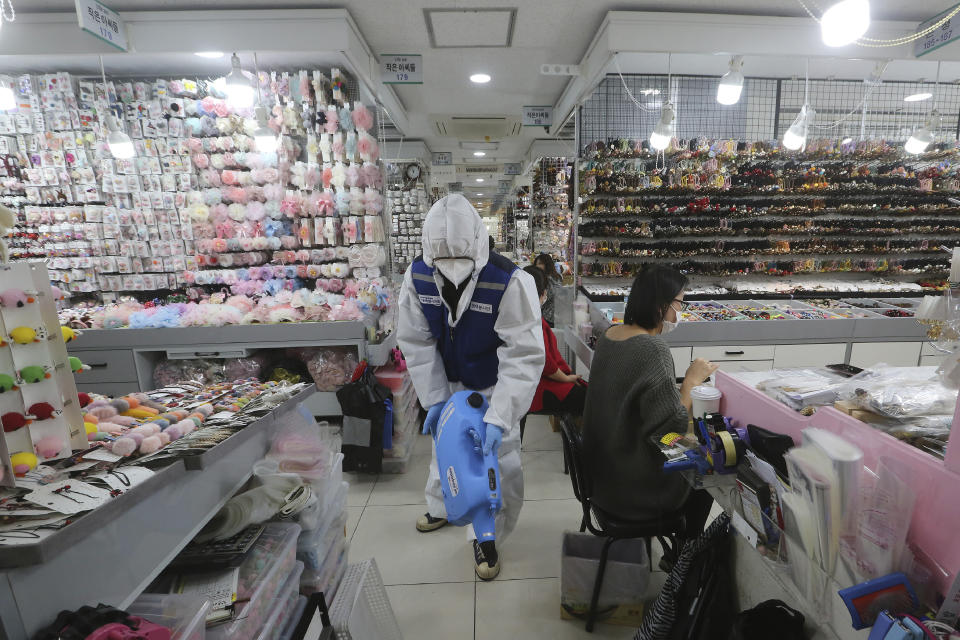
[241, 368]
[332, 368]
[899, 393]
[167, 372]
[884, 522]
[801, 388]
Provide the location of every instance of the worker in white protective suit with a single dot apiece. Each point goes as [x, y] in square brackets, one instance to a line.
[470, 319]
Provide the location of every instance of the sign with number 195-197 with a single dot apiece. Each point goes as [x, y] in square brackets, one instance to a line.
[401, 68]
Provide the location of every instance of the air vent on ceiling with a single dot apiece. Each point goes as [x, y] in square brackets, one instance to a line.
[473, 27]
[477, 128]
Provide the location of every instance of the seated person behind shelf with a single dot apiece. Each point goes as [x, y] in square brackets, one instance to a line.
[546, 265]
[632, 398]
[559, 390]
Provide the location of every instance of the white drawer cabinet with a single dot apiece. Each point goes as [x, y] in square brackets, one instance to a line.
[932, 361]
[720, 354]
[809, 355]
[745, 365]
[895, 354]
[682, 357]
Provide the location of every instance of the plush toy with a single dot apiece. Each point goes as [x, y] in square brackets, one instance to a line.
[83, 398]
[34, 373]
[7, 383]
[15, 298]
[76, 366]
[42, 410]
[48, 446]
[69, 335]
[24, 461]
[13, 421]
[24, 335]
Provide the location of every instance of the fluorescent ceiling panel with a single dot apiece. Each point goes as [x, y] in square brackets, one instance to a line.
[480, 27]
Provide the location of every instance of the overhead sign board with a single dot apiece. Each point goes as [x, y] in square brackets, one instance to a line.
[504, 186]
[537, 116]
[402, 68]
[511, 168]
[939, 37]
[455, 187]
[441, 159]
[102, 22]
[481, 168]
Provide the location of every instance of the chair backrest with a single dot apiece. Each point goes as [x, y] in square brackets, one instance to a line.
[573, 453]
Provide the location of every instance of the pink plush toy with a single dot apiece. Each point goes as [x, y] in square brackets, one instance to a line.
[48, 446]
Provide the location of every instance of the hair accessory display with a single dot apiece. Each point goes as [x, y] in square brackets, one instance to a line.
[23, 462]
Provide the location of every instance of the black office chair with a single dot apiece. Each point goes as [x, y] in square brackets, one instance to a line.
[666, 528]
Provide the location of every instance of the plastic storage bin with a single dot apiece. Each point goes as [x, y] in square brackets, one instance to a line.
[282, 605]
[315, 552]
[327, 578]
[295, 614]
[262, 574]
[184, 615]
[624, 581]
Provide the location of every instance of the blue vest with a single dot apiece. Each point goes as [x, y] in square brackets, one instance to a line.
[469, 350]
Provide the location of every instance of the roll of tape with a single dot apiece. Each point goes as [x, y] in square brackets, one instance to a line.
[729, 449]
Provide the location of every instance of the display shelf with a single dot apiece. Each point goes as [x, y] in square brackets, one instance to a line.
[112, 554]
[250, 438]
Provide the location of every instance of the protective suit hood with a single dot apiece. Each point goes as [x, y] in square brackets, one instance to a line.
[453, 229]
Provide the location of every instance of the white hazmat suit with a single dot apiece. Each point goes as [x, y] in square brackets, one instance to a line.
[453, 229]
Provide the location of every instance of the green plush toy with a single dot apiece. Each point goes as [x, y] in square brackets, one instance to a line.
[34, 373]
[7, 383]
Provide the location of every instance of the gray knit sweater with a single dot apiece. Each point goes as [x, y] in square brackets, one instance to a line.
[632, 396]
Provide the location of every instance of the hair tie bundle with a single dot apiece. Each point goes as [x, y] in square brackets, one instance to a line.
[212, 177]
[212, 197]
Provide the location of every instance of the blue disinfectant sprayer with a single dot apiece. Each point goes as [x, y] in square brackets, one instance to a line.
[470, 480]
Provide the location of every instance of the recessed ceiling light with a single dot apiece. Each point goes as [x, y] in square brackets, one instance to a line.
[479, 179]
[917, 97]
[480, 78]
[479, 194]
[209, 54]
[479, 154]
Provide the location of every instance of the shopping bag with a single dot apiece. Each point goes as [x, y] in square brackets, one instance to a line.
[364, 403]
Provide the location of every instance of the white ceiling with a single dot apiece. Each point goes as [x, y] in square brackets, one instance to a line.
[554, 31]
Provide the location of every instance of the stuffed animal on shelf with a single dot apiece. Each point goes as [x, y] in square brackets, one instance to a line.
[13, 421]
[48, 446]
[15, 298]
[24, 461]
[34, 373]
[25, 335]
[76, 366]
[7, 383]
[42, 411]
[69, 335]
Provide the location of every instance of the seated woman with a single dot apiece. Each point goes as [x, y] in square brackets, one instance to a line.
[549, 268]
[632, 398]
[560, 390]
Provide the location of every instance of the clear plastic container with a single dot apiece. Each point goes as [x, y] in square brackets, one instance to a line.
[267, 566]
[314, 550]
[184, 615]
[327, 578]
[282, 605]
[295, 614]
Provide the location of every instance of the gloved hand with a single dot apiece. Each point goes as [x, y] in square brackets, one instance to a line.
[433, 417]
[494, 436]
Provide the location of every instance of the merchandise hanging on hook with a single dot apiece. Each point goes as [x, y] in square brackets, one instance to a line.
[923, 137]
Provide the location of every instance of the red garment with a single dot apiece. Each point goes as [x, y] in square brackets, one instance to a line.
[553, 362]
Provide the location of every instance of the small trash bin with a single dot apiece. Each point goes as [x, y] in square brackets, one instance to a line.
[625, 580]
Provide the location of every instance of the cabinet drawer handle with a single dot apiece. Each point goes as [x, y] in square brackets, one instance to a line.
[733, 353]
[97, 365]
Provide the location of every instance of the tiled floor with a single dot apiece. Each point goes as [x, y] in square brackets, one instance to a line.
[430, 578]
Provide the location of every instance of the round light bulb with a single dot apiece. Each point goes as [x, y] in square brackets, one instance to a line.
[796, 135]
[663, 132]
[120, 145]
[793, 140]
[730, 88]
[209, 54]
[238, 87]
[8, 101]
[844, 22]
[919, 141]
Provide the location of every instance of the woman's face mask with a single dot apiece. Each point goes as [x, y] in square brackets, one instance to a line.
[670, 325]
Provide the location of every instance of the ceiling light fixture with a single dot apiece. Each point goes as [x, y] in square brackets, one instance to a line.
[480, 78]
[663, 133]
[918, 97]
[479, 179]
[480, 194]
[731, 84]
[796, 136]
[237, 85]
[923, 137]
[846, 140]
[845, 22]
[209, 54]
[119, 143]
[479, 154]
[8, 99]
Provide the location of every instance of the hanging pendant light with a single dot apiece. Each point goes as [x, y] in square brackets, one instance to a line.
[237, 86]
[796, 136]
[731, 84]
[845, 22]
[264, 136]
[923, 136]
[664, 131]
[8, 100]
[119, 143]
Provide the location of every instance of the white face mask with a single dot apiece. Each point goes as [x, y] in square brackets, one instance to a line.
[668, 326]
[456, 270]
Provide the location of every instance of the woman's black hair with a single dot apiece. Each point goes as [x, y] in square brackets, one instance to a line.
[538, 277]
[653, 291]
[550, 268]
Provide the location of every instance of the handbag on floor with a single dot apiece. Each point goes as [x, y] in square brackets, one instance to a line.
[367, 412]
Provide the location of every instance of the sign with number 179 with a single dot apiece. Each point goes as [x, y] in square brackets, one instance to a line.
[401, 68]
